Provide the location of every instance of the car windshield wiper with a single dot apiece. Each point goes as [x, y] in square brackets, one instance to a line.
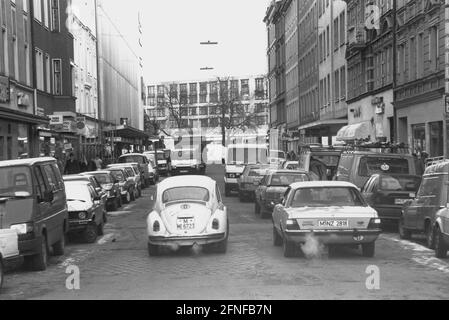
[71, 200]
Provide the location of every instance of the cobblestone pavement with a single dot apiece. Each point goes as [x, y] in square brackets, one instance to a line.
[118, 266]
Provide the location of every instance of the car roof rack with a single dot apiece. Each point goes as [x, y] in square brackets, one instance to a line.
[379, 147]
[433, 161]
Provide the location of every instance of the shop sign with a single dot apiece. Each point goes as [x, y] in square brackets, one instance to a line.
[56, 119]
[68, 146]
[69, 126]
[4, 90]
[40, 112]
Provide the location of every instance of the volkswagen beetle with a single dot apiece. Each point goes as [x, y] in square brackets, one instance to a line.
[188, 211]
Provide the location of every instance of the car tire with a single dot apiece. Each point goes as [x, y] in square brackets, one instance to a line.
[369, 249]
[440, 246]
[90, 235]
[257, 208]
[2, 275]
[127, 198]
[39, 261]
[133, 195]
[100, 229]
[221, 247]
[153, 250]
[277, 239]
[289, 248]
[404, 233]
[430, 237]
[115, 205]
[59, 247]
[227, 191]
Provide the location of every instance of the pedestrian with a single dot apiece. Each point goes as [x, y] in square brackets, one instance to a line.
[72, 166]
[98, 163]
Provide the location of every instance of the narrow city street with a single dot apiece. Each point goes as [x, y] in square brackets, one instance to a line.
[118, 266]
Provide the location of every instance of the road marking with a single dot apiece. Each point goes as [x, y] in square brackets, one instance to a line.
[421, 255]
[106, 238]
[118, 213]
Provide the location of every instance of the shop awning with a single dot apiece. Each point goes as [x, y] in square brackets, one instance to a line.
[15, 115]
[127, 132]
[355, 131]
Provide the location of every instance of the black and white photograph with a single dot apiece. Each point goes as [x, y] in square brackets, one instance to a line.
[229, 152]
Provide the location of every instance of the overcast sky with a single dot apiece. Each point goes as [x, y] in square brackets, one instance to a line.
[173, 30]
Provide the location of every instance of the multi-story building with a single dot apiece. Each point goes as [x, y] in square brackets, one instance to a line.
[120, 76]
[196, 104]
[275, 22]
[332, 68]
[370, 63]
[18, 116]
[52, 47]
[420, 72]
[309, 110]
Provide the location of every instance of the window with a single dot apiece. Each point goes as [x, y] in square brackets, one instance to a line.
[412, 59]
[336, 29]
[55, 15]
[260, 92]
[40, 187]
[372, 165]
[47, 74]
[39, 70]
[420, 56]
[25, 5]
[430, 190]
[46, 10]
[57, 77]
[343, 82]
[213, 89]
[203, 92]
[13, 22]
[433, 48]
[193, 93]
[37, 10]
[342, 28]
[326, 196]
[245, 89]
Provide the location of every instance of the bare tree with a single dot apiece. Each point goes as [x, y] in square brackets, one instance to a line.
[177, 104]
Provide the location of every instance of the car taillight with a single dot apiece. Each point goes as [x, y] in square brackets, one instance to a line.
[215, 224]
[156, 226]
[374, 223]
[293, 225]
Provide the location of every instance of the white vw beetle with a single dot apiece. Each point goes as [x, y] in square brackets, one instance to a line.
[188, 210]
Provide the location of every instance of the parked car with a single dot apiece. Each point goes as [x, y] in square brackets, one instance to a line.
[333, 212]
[154, 173]
[9, 249]
[387, 193]
[358, 166]
[164, 165]
[95, 183]
[189, 210]
[441, 233]
[132, 170]
[111, 186]
[419, 215]
[86, 211]
[271, 189]
[250, 175]
[142, 160]
[277, 157]
[126, 186]
[35, 194]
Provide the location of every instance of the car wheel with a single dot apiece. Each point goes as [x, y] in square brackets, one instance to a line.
[222, 246]
[404, 233]
[369, 249]
[277, 239]
[227, 191]
[153, 250]
[90, 235]
[59, 247]
[430, 237]
[2, 277]
[440, 246]
[100, 229]
[257, 208]
[127, 197]
[289, 248]
[39, 262]
[115, 205]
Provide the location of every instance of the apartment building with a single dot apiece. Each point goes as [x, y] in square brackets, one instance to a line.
[18, 116]
[196, 104]
[419, 93]
[275, 22]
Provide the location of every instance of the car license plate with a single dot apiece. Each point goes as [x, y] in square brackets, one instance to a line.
[400, 201]
[186, 224]
[333, 223]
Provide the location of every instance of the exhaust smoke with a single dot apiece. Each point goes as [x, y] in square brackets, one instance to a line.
[312, 249]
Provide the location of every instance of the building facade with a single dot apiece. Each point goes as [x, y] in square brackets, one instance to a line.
[196, 104]
[419, 93]
[18, 114]
[275, 22]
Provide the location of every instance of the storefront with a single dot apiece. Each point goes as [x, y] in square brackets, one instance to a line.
[123, 139]
[422, 127]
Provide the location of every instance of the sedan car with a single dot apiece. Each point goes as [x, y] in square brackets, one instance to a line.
[387, 193]
[272, 188]
[86, 212]
[95, 183]
[134, 175]
[126, 187]
[251, 174]
[111, 186]
[441, 233]
[333, 213]
[188, 210]
[9, 249]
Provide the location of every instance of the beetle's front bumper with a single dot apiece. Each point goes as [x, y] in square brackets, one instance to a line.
[186, 241]
[334, 236]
